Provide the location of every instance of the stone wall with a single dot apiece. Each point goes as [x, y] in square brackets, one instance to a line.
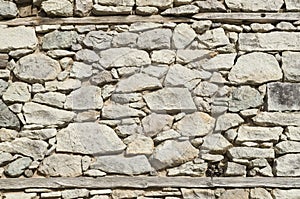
[201, 99]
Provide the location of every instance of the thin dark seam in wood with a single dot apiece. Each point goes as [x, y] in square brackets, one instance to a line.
[149, 182]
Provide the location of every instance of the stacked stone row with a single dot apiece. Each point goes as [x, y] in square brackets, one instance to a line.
[200, 99]
[81, 8]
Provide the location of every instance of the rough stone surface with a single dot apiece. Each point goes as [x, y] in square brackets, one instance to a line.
[214, 38]
[155, 39]
[234, 169]
[215, 143]
[62, 165]
[50, 98]
[254, 5]
[258, 134]
[36, 68]
[17, 167]
[196, 124]
[111, 10]
[287, 165]
[182, 10]
[140, 145]
[40, 134]
[293, 133]
[160, 4]
[163, 56]
[59, 39]
[235, 193]
[255, 68]
[62, 8]
[5, 158]
[97, 40]
[125, 39]
[290, 63]
[227, 121]
[123, 165]
[286, 194]
[277, 119]
[170, 100]
[115, 111]
[221, 61]
[292, 5]
[8, 9]
[287, 147]
[250, 153]
[155, 123]
[7, 118]
[83, 7]
[17, 92]
[258, 193]
[88, 138]
[172, 153]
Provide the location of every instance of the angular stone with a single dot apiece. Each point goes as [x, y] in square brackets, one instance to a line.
[126, 98]
[62, 165]
[17, 92]
[163, 56]
[283, 96]
[214, 38]
[147, 10]
[17, 38]
[155, 123]
[81, 70]
[290, 63]
[258, 27]
[111, 10]
[277, 119]
[187, 56]
[293, 133]
[36, 68]
[196, 124]
[250, 153]
[66, 85]
[258, 134]
[59, 39]
[88, 138]
[166, 135]
[170, 100]
[83, 7]
[138, 82]
[115, 111]
[8, 9]
[62, 8]
[172, 153]
[140, 145]
[215, 143]
[44, 115]
[102, 78]
[292, 5]
[17, 195]
[201, 26]
[116, 2]
[234, 169]
[235, 193]
[33, 148]
[287, 147]
[125, 39]
[41, 134]
[7, 118]
[156, 71]
[75, 193]
[124, 57]
[162, 4]
[197, 194]
[273, 41]
[258, 193]
[139, 27]
[118, 164]
[84, 98]
[287, 165]
[189, 169]
[219, 62]
[210, 5]
[87, 56]
[51, 98]
[5, 158]
[285, 26]
[255, 68]
[206, 89]
[286, 194]
[17, 167]
[183, 35]
[182, 10]
[227, 121]
[254, 5]
[97, 40]
[155, 39]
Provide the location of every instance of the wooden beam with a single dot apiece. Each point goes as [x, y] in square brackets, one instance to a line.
[149, 182]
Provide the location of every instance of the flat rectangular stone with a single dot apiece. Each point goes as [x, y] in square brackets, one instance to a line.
[277, 119]
[258, 134]
[274, 41]
[250, 153]
[283, 96]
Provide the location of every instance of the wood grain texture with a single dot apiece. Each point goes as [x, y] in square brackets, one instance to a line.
[149, 182]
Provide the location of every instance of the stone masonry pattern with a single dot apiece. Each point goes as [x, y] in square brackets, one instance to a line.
[199, 99]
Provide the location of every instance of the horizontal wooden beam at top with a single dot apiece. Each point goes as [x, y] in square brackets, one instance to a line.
[149, 182]
[104, 20]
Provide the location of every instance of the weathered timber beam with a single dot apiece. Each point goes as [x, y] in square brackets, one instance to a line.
[149, 182]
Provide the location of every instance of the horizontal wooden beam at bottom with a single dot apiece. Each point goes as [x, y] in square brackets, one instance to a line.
[149, 182]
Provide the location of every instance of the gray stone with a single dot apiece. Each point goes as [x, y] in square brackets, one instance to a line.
[35, 68]
[287, 147]
[273, 41]
[212, 157]
[111, 10]
[138, 82]
[162, 4]
[235, 193]
[293, 133]
[196, 194]
[214, 38]
[227, 121]
[182, 10]
[7, 118]
[283, 96]
[83, 7]
[155, 123]
[139, 145]
[147, 10]
[115, 111]
[258, 27]
[5, 158]
[62, 165]
[94, 173]
[219, 62]
[234, 169]
[92, 99]
[51, 98]
[285, 26]
[245, 97]
[170, 100]
[87, 56]
[41, 134]
[66, 85]
[17, 38]
[44, 115]
[8, 9]
[118, 164]
[139, 27]
[163, 56]
[255, 68]
[155, 39]
[277, 119]
[116, 2]
[60, 53]
[88, 138]
[81, 70]
[156, 71]
[126, 97]
[62, 8]
[290, 63]
[250, 153]
[59, 39]
[287, 165]
[210, 5]
[124, 57]
[17, 195]
[189, 169]
[215, 143]
[125, 39]
[166, 135]
[206, 89]
[7, 135]
[187, 56]
[33, 148]
[17, 92]
[102, 78]
[75, 193]
[17, 167]
[196, 124]
[97, 40]
[201, 26]
[292, 5]
[286, 194]
[183, 35]
[258, 134]
[254, 5]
